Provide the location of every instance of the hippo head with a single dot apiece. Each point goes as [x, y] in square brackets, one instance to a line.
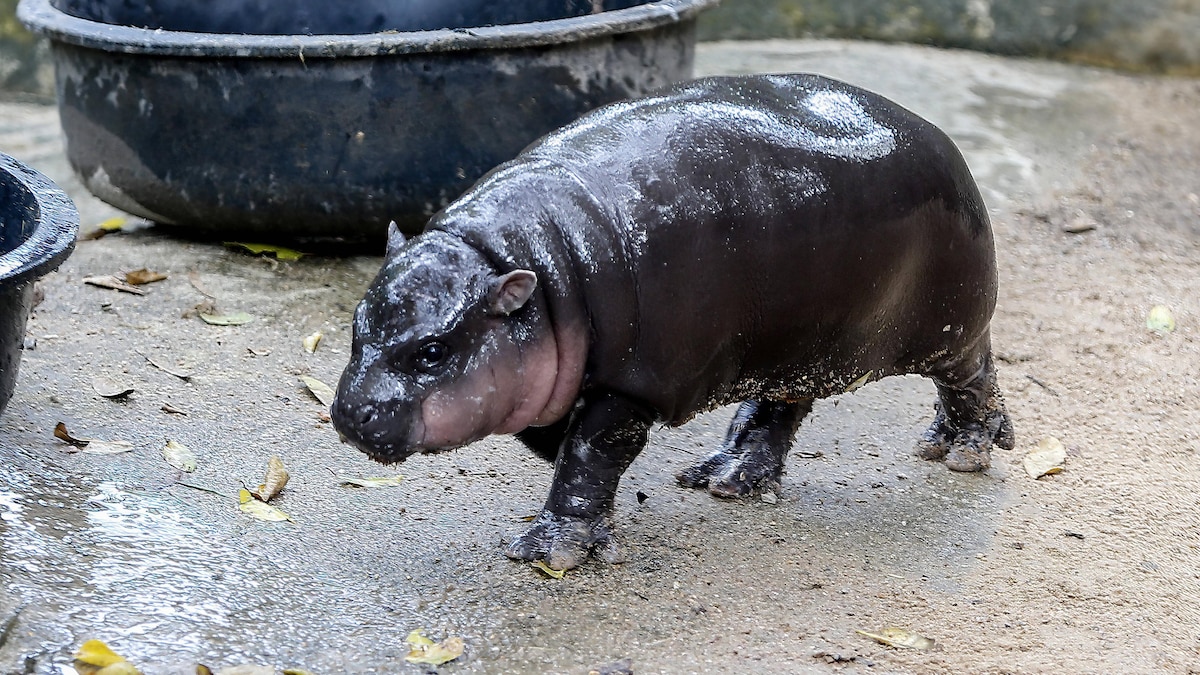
[446, 350]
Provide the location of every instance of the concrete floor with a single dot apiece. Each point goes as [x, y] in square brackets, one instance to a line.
[114, 548]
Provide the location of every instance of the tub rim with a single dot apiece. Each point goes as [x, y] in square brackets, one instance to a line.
[53, 236]
[43, 18]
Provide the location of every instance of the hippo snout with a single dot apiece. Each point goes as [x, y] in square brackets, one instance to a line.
[387, 432]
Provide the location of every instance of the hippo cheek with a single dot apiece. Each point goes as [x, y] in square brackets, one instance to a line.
[454, 417]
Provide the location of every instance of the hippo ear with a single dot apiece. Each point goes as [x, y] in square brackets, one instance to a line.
[511, 291]
[395, 238]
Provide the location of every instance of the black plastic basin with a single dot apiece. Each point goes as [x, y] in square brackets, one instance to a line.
[37, 232]
[326, 119]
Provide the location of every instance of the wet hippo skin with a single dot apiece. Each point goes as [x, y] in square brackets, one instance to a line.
[768, 240]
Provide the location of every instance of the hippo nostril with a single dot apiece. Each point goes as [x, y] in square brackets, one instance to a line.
[366, 415]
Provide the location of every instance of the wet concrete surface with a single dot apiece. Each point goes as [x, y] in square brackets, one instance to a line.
[116, 548]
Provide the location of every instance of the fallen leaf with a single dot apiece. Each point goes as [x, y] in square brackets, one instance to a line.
[296, 671]
[1160, 319]
[91, 445]
[179, 456]
[110, 281]
[181, 374]
[311, 342]
[61, 433]
[208, 306]
[423, 650]
[893, 636]
[260, 510]
[111, 388]
[1046, 459]
[96, 653]
[392, 481]
[236, 319]
[279, 252]
[323, 392]
[857, 384]
[96, 447]
[143, 276]
[104, 227]
[276, 479]
[548, 570]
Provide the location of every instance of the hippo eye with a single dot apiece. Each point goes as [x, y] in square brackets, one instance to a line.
[431, 355]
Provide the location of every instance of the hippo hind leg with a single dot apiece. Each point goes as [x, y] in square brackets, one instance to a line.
[750, 460]
[970, 419]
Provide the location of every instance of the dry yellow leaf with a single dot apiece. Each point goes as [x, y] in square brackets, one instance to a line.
[423, 650]
[311, 342]
[323, 392]
[548, 570]
[276, 479]
[279, 252]
[113, 224]
[1047, 458]
[96, 653]
[894, 636]
[260, 510]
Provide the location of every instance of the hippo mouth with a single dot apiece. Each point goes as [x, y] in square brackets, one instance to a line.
[390, 452]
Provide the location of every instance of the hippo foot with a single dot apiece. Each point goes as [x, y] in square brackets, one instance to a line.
[739, 473]
[966, 448]
[750, 460]
[564, 542]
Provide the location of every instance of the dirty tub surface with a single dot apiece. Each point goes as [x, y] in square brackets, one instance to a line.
[312, 119]
[37, 232]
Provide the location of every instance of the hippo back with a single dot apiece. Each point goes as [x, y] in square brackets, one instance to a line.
[760, 237]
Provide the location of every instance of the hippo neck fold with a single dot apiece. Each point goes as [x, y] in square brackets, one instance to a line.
[537, 215]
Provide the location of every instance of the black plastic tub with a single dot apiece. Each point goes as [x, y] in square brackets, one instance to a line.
[319, 119]
[37, 232]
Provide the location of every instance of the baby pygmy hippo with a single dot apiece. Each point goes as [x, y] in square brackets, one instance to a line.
[768, 240]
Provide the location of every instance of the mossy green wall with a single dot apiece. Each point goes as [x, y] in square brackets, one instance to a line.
[1153, 35]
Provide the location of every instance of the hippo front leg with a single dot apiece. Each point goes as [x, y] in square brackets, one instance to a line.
[605, 436]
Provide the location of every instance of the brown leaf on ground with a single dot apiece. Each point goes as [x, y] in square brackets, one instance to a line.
[110, 281]
[143, 276]
[61, 433]
[202, 307]
[276, 478]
